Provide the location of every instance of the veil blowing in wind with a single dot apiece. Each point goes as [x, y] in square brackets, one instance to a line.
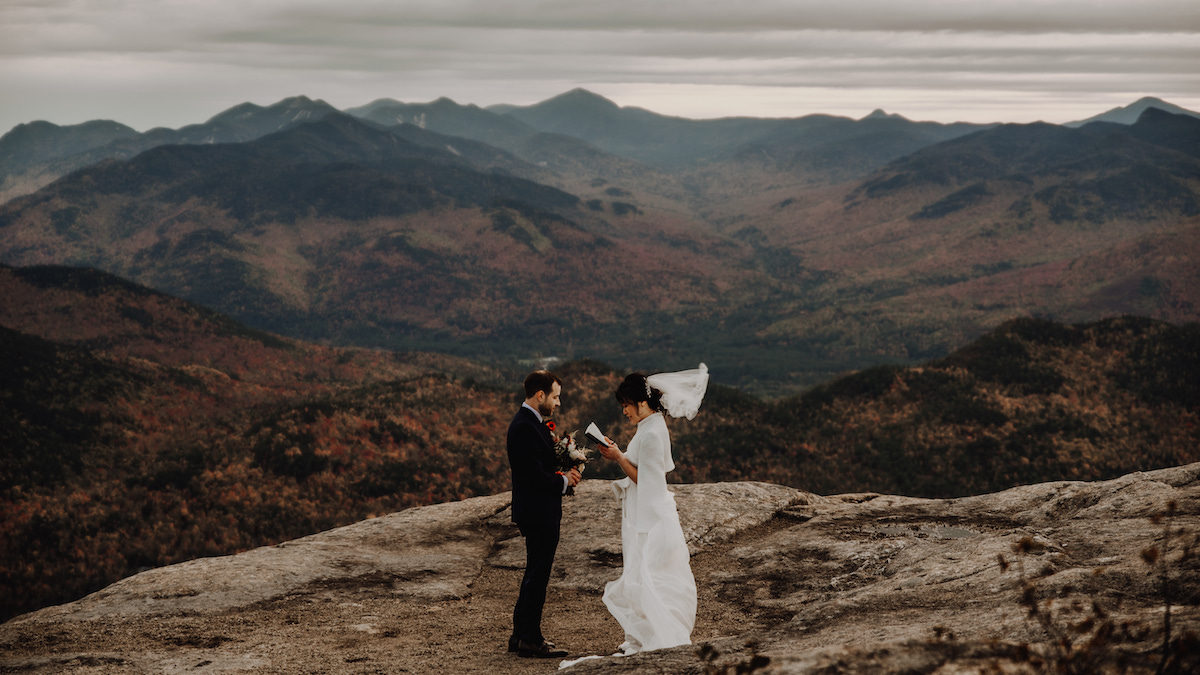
[682, 392]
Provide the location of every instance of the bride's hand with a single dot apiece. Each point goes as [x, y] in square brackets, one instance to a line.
[609, 450]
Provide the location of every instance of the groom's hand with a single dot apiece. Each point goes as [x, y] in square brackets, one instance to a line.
[573, 477]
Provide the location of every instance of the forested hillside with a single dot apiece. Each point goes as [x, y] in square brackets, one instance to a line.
[140, 430]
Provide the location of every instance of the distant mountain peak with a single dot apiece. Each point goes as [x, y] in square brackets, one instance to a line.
[290, 104]
[1129, 114]
[302, 103]
[293, 102]
[580, 96]
[36, 125]
[28, 143]
[269, 118]
[881, 114]
[239, 111]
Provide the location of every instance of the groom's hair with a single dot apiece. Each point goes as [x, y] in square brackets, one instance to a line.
[540, 380]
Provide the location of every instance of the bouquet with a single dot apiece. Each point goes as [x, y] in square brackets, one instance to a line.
[567, 452]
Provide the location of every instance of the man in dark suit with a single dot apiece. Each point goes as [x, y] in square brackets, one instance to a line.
[536, 508]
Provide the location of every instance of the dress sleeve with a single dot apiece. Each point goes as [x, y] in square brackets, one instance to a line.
[652, 481]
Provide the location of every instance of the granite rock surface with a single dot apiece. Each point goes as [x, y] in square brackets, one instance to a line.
[789, 582]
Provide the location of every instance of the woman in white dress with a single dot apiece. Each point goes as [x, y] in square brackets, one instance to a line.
[654, 599]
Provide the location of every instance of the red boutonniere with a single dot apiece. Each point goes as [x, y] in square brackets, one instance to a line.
[550, 425]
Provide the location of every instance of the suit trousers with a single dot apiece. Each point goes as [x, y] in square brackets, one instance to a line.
[541, 541]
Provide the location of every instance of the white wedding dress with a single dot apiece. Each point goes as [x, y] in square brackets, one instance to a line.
[654, 600]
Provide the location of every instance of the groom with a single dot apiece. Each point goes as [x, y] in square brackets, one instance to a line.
[536, 508]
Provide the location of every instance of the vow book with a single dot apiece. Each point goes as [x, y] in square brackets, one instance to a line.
[593, 434]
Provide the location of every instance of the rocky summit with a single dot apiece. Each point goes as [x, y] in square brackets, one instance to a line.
[1066, 576]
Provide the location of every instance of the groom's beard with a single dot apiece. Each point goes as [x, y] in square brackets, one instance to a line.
[546, 410]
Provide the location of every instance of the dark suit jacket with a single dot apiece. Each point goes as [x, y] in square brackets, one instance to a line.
[537, 488]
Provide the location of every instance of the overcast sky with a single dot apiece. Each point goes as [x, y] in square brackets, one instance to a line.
[153, 63]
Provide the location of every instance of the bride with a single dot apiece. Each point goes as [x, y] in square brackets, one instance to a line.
[654, 599]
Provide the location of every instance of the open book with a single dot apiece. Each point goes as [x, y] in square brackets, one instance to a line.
[593, 434]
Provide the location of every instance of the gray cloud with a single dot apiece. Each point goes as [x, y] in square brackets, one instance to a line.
[723, 16]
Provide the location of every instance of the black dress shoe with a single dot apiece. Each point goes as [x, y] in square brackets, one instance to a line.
[512, 643]
[542, 651]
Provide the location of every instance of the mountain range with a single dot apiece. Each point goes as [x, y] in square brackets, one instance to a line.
[781, 251]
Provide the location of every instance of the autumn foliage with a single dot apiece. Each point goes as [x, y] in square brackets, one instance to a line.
[138, 430]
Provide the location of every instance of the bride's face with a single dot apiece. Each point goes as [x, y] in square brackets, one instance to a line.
[636, 413]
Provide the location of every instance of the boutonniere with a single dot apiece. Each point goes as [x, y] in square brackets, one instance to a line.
[550, 425]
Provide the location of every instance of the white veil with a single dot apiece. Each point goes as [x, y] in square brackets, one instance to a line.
[682, 392]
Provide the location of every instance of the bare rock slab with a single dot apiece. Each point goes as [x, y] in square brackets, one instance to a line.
[789, 582]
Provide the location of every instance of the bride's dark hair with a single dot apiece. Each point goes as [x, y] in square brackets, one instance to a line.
[634, 389]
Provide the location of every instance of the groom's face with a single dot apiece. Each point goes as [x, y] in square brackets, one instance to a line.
[550, 403]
